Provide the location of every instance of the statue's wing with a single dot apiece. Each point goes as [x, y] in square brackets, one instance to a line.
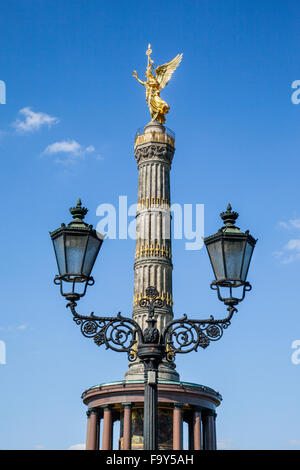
[165, 72]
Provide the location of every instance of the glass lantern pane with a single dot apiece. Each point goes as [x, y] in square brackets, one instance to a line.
[60, 254]
[216, 257]
[233, 251]
[91, 254]
[247, 259]
[75, 248]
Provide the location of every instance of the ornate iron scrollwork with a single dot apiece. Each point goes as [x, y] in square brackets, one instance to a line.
[116, 333]
[123, 334]
[151, 301]
[185, 335]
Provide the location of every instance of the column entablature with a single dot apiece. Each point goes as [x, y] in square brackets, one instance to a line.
[190, 396]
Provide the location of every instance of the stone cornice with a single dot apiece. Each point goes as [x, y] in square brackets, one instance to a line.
[204, 398]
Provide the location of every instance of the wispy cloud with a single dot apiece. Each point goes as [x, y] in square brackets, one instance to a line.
[71, 149]
[291, 250]
[290, 224]
[294, 443]
[32, 121]
[11, 328]
[224, 444]
[77, 447]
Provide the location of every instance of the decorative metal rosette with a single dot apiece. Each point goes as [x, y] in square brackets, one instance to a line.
[151, 300]
[99, 338]
[151, 292]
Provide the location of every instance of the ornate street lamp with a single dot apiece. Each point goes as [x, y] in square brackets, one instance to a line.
[77, 246]
[230, 252]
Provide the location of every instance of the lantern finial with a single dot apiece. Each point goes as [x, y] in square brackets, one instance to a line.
[78, 213]
[229, 217]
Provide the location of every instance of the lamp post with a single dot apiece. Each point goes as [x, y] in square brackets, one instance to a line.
[76, 248]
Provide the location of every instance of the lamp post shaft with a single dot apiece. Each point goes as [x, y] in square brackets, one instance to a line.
[151, 354]
[150, 413]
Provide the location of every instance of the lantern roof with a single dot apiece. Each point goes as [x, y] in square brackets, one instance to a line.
[78, 213]
[229, 228]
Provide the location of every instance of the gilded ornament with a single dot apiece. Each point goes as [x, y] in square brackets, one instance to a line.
[157, 79]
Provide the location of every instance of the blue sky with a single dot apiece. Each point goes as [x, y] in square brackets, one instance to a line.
[67, 130]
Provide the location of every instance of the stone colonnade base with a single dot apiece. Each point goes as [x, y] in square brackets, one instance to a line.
[179, 402]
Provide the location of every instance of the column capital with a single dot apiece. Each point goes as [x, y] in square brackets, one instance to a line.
[178, 405]
[154, 152]
[208, 412]
[199, 409]
[127, 404]
[106, 407]
[91, 411]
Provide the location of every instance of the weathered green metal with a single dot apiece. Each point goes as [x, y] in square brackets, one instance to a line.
[76, 248]
[228, 242]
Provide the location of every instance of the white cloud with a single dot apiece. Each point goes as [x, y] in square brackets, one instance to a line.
[295, 223]
[293, 245]
[77, 447]
[224, 444]
[290, 224]
[291, 251]
[70, 148]
[294, 443]
[66, 146]
[283, 224]
[293, 248]
[33, 121]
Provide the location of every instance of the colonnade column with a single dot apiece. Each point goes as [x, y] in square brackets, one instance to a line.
[191, 431]
[92, 435]
[197, 428]
[177, 426]
[209, 430]
[107, 428]
[127, 426]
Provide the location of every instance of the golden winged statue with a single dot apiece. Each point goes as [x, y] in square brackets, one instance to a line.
[157, 79]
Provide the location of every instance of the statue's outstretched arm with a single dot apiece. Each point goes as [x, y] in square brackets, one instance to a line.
[136, 76]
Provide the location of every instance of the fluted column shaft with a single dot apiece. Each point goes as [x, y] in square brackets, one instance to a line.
[153, 255]
[154, 150]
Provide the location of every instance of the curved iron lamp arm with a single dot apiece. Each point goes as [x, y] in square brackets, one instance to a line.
[117, 333]
[185, 335]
